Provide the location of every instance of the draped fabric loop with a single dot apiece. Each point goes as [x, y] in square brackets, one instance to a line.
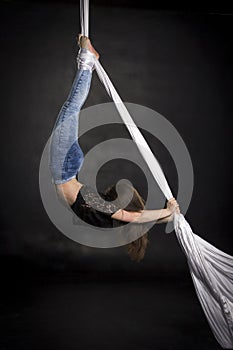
[211, 269]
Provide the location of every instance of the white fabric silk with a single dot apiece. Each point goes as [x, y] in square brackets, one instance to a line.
[86, 60]
[210, 268]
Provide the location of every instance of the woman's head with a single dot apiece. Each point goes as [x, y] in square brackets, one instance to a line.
[127, 197]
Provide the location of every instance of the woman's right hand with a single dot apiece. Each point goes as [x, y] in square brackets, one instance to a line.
[173, 206]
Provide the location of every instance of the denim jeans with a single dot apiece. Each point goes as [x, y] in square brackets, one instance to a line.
[66, 156]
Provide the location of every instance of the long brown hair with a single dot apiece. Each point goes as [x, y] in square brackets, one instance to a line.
[128, 198]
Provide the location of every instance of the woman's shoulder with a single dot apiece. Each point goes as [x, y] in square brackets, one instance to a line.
[91, 198]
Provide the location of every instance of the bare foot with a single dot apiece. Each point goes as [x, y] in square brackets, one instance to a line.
[84, 42]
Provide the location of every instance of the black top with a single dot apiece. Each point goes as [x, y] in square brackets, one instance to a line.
[94, 210]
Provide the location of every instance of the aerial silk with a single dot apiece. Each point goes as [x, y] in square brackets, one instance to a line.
[210, 268]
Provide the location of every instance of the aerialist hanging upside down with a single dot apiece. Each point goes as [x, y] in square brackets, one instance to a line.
[66, 158]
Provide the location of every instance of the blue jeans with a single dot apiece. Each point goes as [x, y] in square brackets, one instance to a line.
[66, 156]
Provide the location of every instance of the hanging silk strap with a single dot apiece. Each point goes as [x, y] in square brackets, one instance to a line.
[210, 268]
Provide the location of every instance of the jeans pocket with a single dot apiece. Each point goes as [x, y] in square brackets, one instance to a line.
[73, 161]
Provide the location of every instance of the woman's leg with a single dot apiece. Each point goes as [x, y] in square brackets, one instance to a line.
[66, 156]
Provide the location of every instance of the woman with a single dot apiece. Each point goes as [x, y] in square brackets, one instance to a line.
[66, 158]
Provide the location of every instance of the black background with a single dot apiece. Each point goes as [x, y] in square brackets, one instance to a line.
[176, 60]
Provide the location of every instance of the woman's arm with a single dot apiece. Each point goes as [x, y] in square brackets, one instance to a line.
[143, 216]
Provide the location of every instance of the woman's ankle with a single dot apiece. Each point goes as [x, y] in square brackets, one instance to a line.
[86, 60]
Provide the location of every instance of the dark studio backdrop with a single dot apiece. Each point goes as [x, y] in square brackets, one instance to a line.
[176, 60]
